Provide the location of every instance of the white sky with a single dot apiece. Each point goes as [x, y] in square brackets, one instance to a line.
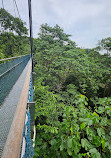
[86, 20]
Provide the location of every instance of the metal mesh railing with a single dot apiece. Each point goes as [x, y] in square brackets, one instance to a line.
[8, 65]
[9, 73]
[27, 151]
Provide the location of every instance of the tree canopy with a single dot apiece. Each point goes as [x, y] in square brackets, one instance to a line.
[8, 22]
[13, 39]
[73, 98]
[105, 44]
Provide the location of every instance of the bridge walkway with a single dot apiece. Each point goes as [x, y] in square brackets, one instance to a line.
[9, 107]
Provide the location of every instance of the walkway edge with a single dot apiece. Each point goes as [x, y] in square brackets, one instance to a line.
[14, 139]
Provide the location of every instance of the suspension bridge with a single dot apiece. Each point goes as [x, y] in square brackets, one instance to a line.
[17, 130]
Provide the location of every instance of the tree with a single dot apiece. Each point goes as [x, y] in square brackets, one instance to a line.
[105, 44]
[55, 34]
[9, 23]
[12, 39]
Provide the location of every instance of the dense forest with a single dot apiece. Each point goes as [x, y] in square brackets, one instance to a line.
[72, 92]
[73, 97]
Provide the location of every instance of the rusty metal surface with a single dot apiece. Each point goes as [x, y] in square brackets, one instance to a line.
[12, 116]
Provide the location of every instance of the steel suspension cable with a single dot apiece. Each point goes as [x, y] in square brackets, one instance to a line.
[14, 8]
[31, 33]
[2, 4]
[17, 8]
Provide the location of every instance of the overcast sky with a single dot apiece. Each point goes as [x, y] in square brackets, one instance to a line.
[86, 20]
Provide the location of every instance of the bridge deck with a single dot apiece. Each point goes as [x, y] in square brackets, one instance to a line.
[9, 106]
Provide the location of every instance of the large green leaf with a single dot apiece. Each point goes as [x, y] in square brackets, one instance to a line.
[82, 125]
[97, 141]
[101, 132]
[69, 142]
[94, 153]
[86, 144]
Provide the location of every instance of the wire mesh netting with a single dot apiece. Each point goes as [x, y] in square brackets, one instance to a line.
[8, 65]
[9, 73]
[29, 150]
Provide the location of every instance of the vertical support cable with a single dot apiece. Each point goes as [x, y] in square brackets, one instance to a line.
[31, 33]
[2, 4]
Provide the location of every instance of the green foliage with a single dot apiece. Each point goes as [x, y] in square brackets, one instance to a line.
[12, 41]
[53, 35]
[105, 44]
[8, 22]
[72, 93]
[78, 124]
[13, 45]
